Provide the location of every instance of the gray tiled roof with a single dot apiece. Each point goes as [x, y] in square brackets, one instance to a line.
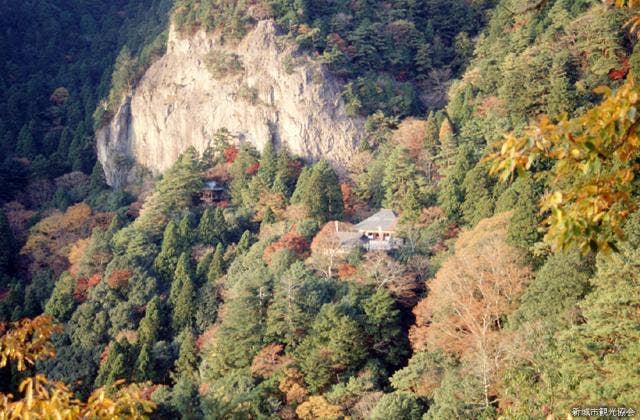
[384, 220]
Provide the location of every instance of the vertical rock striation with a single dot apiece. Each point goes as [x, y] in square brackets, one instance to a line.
[261, 90]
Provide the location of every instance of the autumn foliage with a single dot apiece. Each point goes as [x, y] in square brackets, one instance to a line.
[51, 240]
[28, 341]
[119, 279]
[472, 293]
[269, 360]
[292, 241]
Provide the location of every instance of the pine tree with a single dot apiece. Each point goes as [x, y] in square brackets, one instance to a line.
[116, 366]
[451, 193]
[216, 268]
[447, 140]
[203, 267]
[268, 164]
[523, 228]
[244, 243]
[97, 180]
[184, 297]
[182, 274]
[478, 202]
[285, 176]
[212, 226]
[61, 304]
[7, 244]
[144, 365]
[172, 246]
[431, 138]
[186, 365]
[26, 146]
[268, 218]
[402, 183]
[151, 325]
[186, 229]
[561, 97]
[318, 189]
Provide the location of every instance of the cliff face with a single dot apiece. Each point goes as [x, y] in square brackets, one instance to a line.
[260, 90]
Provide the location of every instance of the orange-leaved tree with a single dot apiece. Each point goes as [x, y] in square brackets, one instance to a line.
[593, 160]
[29, 340]
[468, 300]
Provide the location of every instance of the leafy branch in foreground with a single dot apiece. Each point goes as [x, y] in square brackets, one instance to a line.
[594, 163]
[28, 341]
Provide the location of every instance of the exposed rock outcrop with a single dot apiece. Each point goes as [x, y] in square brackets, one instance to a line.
[261, 90]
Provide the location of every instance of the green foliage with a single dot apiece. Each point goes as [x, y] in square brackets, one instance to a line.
[7, 244]
[186, 366]
[212, 227]
[182, 294]
[216, 267]
[319, 191]
[117, 364]
[172, 246]
[405, 188]
[451, 191]
[524, 229]
[560, 284]
[478, 202]
[383, 327]
[61, 304]
[298, 296]
[335, 343]
[398, 405]
[150, 328]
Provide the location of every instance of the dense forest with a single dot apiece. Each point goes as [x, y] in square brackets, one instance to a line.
[503, 134]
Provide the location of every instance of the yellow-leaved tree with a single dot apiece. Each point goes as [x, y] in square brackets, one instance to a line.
[29, 340]
[594, 159]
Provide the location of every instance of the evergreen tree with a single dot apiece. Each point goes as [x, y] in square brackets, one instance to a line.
[383, 327]
[431, 138]
[268, 165]
[26, 146]
[478, 202]
[98, 181]
[447, 140]
[186, 400]
[150, 327]
[216, 268]
[62, 303]
[144, 365]
[523, 228]
[7, 244]
[203, 267]
[244, 243]
[451, 193]
[172, 246]
[335, 340]
[183, 295]
[285, 175]
[319, 190]
[211, 229]
[183, 272]
[206, 307]
[561, 96]
[398, 405]
[186, 366]
[404, 185]
[268, 218]
[186, 229]
[116, 366]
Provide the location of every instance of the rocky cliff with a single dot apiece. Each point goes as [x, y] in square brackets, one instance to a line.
[261, 89]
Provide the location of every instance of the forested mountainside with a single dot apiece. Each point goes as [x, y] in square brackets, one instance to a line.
[476, 258]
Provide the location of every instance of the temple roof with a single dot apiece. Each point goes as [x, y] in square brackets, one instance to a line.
[384, 220]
